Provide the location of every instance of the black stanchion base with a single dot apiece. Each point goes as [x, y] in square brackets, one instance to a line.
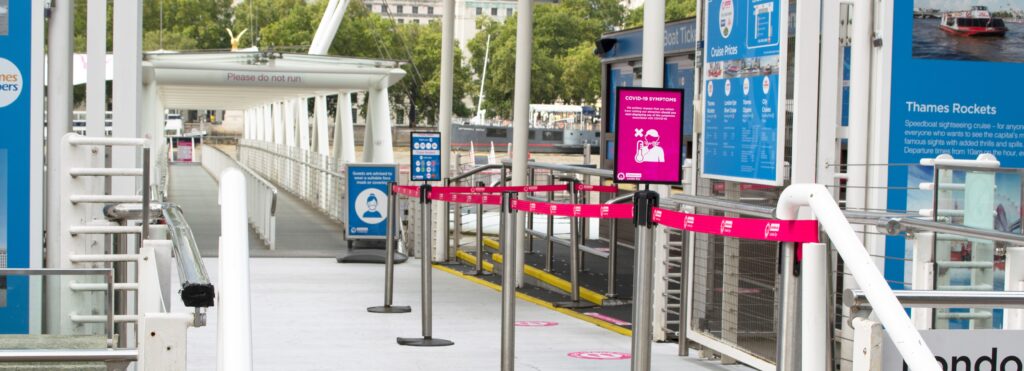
[573, 304]
[389, 309]
[424, 342]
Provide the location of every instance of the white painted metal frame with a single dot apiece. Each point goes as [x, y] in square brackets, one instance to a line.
[234, 323]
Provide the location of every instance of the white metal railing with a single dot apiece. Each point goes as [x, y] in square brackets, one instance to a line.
[262, 195]
[313, 177]
[234, 324]
[859, 263]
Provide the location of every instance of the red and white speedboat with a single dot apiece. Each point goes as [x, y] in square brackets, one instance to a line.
[975, 22]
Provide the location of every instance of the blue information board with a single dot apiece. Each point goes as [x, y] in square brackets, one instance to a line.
[16, 154]
[744, 110]
[367, 200]
[425, 164]
[953, 94]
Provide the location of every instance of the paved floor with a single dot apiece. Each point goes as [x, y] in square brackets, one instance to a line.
[309, 314]
[301, 230]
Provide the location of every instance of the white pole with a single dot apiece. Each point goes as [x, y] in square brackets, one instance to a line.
[126, 90]
[814, 307]
[279, 135]
[521, 119]
[234, 325]
[314, 47]
[860, 95]
[653, 76]
[59, 100]
[383, 149]
[444, 120]
[483, 80]
[320, 111]
[96, 74]
[289, 124]
[344, 141]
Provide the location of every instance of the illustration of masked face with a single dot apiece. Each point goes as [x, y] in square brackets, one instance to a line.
[651, 141]
[371, 204]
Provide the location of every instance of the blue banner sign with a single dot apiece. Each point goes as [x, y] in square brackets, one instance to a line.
[955, 70]
[17, 150]
[744, 110]
[425, 164]
[367, 200]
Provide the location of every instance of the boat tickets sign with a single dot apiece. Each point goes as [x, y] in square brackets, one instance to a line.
[745, 98]
[649, 139]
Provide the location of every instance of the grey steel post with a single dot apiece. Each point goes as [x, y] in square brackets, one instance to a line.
[550, 253]
[455, 234]
[574, 259]
[643, 204]
[613, 246]
[479, 267]
[389, 258]
[585, 229]
[684, 282]
[785, 347]
[529, 217]
[425, 276]
[508, 288]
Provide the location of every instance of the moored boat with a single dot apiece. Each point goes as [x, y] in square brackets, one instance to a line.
[976, 22]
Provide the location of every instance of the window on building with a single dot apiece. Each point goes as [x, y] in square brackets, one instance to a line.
[430, 10]
[399, 9]
[415, 10]
[401, 20]
[508, 12]
[494, 11]
[479, 11]
[383, 8]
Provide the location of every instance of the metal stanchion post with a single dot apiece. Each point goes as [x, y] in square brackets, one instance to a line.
[456, 230]
[785, 347]
[508, 288]
[389, 258]
[529, 218]
[550, 253]
[574, 260]
[478, 270]
[427, 340]
[613, 246]
[643, 204]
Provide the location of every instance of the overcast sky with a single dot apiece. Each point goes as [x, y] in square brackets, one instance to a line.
[994, 5]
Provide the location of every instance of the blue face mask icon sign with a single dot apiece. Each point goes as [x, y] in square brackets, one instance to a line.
[369, 206]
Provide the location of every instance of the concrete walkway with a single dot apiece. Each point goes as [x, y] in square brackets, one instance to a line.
[301, 230]
[310, 314]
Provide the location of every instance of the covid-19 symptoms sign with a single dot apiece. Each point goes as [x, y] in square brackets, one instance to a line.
[649, 140]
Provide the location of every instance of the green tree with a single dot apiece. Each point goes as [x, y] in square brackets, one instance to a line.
[674, 11]
[186, 24]
[578, 68]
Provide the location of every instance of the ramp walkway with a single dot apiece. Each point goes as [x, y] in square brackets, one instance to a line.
[301, 230]
[310, 314]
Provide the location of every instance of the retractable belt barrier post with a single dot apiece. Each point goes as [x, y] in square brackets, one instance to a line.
[425, 250]
[644, 203]
[508, 287]
[574, 255]
[478, 270]
[389, 259]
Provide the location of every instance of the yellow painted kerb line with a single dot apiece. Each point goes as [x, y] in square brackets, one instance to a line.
[605, 325]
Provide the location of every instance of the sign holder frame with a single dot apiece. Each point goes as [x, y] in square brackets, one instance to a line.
[345, 205]
[412, 156]
[619, 131]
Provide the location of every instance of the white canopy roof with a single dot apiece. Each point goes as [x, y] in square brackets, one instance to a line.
[240, 80]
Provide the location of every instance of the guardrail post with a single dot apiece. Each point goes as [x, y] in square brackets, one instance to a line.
[425, 278]
[867, 344]
[815, 324]
[550, 253]
[452, 235]
[574, 258]
[643, 204]
[478, 269]
[234, 326]
[613, 245]
[389, 258]
[508, 287]
[786, 342]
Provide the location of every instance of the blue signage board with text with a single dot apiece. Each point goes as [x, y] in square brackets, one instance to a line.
[745, 71]
[367, 200]
[425, 164]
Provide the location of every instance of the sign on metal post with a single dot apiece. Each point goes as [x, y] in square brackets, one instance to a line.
[367, 199]
[994, 350]
[425, 164]
[649, 139]
[21, 102]
[745, 99]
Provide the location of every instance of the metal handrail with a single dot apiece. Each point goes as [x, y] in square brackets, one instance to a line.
[572, 169]
[196, 289]
[896, 226]
[717, 204]
[268, 184]
[855, 298]
[69, 355]
[475, 171]
[289, 158]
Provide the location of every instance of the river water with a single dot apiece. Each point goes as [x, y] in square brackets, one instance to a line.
[930, 42]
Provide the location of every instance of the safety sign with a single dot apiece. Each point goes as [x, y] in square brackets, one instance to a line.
[367, 200]
[649, 140]
[425, 163]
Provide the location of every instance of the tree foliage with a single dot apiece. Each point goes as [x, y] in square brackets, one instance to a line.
[564, 68]
[674, 11]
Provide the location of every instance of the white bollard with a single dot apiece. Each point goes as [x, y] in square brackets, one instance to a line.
[234, 326]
